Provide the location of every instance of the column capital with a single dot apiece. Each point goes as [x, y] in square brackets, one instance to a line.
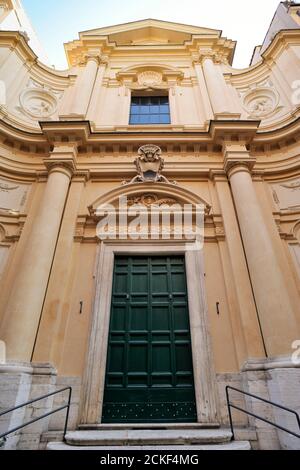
[91, 55]
[232, 166]
[237, 158]
[63, 158]
[206, 54]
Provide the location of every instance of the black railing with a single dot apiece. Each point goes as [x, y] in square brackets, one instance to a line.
[231, 405]
[67, 406]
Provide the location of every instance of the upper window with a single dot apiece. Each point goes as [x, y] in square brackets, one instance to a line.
[149, 110]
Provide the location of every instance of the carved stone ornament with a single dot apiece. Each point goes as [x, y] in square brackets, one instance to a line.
[148, 80]
[6, 187]
[294, 186]
[149, 165]
[150, 199]
[38, 101]
[261, 100]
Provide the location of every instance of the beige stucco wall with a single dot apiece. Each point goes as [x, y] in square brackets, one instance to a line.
[202, 86]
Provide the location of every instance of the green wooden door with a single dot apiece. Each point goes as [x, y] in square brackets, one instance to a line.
[149, 376]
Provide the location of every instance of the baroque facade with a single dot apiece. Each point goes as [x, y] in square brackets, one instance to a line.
[75, 308]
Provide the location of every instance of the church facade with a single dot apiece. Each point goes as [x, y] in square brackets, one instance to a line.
[102, 288]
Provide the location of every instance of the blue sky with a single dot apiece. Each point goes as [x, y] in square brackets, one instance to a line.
[59, 21]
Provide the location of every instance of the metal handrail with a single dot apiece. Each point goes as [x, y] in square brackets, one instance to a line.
[67, 406]
[231, 405]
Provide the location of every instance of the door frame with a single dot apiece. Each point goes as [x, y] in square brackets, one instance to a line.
[202, 355]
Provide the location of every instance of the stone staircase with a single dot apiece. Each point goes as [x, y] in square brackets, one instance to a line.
[155, 438]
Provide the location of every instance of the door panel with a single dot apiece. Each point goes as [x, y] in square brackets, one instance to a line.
[149, 375]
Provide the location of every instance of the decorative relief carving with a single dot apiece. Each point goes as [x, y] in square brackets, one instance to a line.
[12, 196]
[6, 187]
[151, 199]
[38, 101]
[149, 165]
[287, 194]
[150, 79]
[294, 186]
[261, 100]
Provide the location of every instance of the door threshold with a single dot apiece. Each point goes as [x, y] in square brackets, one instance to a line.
[120, 426]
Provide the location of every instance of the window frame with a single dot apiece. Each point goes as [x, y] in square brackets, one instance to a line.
[158, 120]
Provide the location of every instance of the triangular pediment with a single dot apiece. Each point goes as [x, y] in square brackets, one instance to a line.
[149, 31]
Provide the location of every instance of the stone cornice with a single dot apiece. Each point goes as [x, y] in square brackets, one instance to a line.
[210, 142]
[189, 38]
[14, 40]
[282, 39]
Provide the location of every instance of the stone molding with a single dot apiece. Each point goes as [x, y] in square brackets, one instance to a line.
[149, 77]
[279, 362]
[12, 367]
[204, 374]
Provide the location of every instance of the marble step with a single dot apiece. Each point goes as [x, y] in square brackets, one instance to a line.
[235, 445]
[122, 426]
[148, 437]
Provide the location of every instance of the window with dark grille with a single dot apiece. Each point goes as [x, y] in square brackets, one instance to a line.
[149, 110]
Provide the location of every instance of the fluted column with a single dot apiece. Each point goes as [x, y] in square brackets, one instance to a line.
[275, 308]
[84, 85]
[23, 310]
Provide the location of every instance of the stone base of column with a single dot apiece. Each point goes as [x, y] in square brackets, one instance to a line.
[282, 378]
[275, 379]
[21, 382]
